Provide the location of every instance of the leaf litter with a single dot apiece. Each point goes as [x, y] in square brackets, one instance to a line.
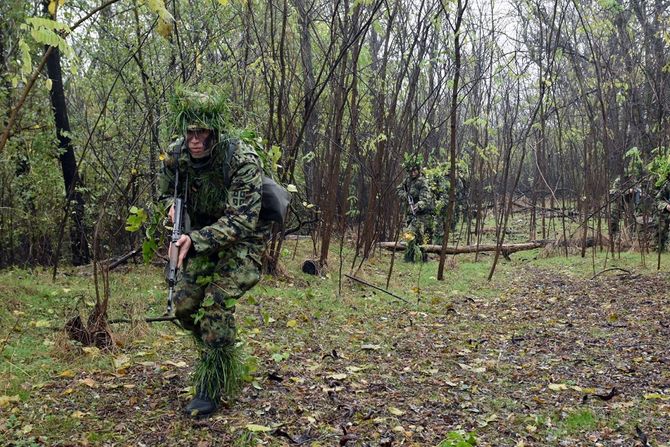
[549, 361]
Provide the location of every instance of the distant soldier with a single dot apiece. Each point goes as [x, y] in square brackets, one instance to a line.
[440, 187]
[415, 193]
[625, 196]
[663, 209]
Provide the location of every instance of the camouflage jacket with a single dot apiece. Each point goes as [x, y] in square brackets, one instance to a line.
[418, 189]
[663, 196]
[221, 217]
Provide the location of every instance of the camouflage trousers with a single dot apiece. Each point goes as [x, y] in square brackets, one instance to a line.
[420, 227]
[663, 221]
[206, 294]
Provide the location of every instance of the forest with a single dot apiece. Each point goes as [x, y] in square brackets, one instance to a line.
[538, 314]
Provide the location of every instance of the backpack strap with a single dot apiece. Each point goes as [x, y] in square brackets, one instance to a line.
[231, 146]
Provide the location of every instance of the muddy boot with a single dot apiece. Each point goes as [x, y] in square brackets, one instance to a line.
[201, 406]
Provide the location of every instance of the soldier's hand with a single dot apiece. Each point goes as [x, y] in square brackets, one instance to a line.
[667, 207]
[183, 245]
[171, 214]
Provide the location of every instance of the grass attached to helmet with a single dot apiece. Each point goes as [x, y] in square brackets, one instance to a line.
[189, 108]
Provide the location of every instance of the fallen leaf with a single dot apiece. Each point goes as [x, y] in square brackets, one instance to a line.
[78, 414]
[340, 376]
[558, 386]
[396, 411]
[89, 382]
[291, 323]
[68, 373]
[370, 347]
[6, 400]
[254, 428]
[91, 350]
[180, 364]
[121, 362]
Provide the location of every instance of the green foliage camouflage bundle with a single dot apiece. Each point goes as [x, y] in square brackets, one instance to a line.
[220, 371]
[208, 109]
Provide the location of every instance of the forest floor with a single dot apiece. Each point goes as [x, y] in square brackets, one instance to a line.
[545, 354]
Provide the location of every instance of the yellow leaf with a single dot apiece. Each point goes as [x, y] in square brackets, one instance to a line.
[162, 156]
[180, 364]
[27, 429]
[656, 396]
[396, 411]
[121, 362]
[223, 2]
[558, 386]
[41, 323]
[78, 414]
[164, 28]
[291, 323]
[89, 382]
[6, 400]
[68, 373]
[254, 428]
[68, 391]
[49, 84]
[52, 8]
[91, 350]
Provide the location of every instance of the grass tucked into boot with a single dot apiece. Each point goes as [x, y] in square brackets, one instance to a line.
[412, 252]
[220, 372]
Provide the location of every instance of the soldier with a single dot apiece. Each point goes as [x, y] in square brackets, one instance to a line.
[624, 202]
[415, 193]
[663, 209]
[440, 187]
[220, 254]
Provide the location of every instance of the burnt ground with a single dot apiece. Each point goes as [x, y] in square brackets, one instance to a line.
[545, 360]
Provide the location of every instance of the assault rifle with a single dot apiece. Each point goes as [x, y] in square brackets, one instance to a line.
[177, 231]
[409, 199]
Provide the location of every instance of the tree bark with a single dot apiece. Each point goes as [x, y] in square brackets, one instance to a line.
[75, 203]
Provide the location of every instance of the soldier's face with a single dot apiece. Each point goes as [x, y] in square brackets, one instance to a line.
[414, 172]
[197, 141]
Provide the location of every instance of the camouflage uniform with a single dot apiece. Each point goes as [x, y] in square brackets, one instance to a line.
[662, 200]
[441, 188]
[227, 236]
[625, 205]
[418, 225]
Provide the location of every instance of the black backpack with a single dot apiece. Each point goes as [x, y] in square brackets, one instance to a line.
[275, 199]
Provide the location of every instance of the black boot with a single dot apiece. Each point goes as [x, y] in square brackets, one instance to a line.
[201, 405]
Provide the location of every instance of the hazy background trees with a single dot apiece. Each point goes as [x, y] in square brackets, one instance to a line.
[550, 96]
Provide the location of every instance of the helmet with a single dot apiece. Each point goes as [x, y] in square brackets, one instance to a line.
[194, 110]
[412, 165]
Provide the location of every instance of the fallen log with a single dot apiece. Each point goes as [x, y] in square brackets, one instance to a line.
[506, 249]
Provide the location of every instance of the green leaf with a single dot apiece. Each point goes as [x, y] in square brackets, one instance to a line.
[149, 248]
